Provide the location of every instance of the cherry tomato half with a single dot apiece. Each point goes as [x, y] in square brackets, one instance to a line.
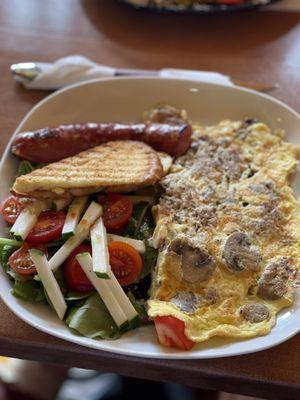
[125, 262]
[10, 209]
[117, 211]
[21, 262]
[48, 227]
[74, 275]
[170, 332]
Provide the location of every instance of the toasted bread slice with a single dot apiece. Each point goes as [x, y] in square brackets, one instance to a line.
[166, 162]
[112, 167]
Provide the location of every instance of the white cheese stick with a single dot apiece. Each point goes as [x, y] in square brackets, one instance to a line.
[27, 219]
[74, 213]
[81, 233]
[138, 199]
[59, 204]
[50, 283]
[139, 245]
[102, 287]
[100, 253]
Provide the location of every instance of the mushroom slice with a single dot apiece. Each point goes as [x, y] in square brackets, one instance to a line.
[212, 295]
[255, 312]
[239, 254]
[196, 264]
[165, 113]
[273, 283]
[187, 301]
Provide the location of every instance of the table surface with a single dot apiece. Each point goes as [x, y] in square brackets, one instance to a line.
[252, 46]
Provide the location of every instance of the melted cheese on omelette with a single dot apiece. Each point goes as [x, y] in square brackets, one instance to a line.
[228, 231]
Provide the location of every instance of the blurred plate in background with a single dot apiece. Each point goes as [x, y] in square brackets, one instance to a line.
[200, 7]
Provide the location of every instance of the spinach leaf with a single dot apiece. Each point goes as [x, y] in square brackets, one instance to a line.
[53, 246]
[133, 226]
[25, 167]
[140, 306]
[140, 288]
[141, 226]
[149, 260]
[29, 290]
[147, 227]
[55, 243]
[92, 319]
[59, 276]
[145, 232]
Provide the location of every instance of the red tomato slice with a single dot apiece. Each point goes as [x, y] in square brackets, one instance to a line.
[10, 209]
[170, 332]
[74, 274]
[125, 262]
[48, 227]
[117, 211]
[21, 262]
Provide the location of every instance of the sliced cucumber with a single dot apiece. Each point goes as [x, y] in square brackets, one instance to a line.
[102, 286]
[100, 253]
[147, 199]
[50, 283]
[139, 245]
[10, 242]
[60, 204]
[27, 219]
[74, 213]
[81, 233]
[122, 298]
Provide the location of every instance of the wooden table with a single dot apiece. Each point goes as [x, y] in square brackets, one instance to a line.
[255, 46]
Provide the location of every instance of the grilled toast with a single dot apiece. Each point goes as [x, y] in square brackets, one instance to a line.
[112, 167]
[166, 162]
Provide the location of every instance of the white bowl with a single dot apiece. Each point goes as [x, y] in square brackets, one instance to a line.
[125, 99]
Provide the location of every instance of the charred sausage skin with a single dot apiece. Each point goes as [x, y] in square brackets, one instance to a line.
[53, 144]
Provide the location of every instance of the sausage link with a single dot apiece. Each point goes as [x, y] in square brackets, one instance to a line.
[53, 144]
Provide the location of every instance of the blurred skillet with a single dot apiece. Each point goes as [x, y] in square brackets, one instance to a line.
[201, 8]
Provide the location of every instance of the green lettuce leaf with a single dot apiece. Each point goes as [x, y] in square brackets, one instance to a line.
[5, 253]
[29, 290]
[75, 296]
[92, 319]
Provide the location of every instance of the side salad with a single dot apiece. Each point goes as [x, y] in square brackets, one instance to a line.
[89, 258]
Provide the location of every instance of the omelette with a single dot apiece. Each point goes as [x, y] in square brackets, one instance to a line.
[228, 232]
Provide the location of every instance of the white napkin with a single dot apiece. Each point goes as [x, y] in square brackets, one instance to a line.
[76, 68]
[66, 71]
[202, 76]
